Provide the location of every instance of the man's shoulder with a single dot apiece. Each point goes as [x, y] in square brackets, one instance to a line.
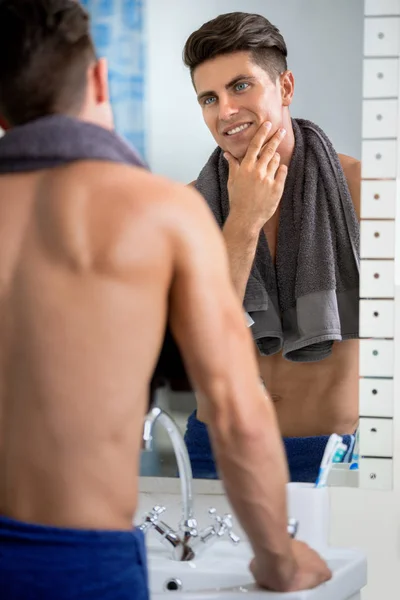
[352, 169]
[126, 181]
[350, 165]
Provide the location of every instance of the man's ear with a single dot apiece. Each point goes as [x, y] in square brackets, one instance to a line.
[287, 87]
[101, 81]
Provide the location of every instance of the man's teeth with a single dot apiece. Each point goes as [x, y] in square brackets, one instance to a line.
[237, 129]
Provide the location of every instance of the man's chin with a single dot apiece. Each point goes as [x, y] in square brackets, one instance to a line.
[239, 152]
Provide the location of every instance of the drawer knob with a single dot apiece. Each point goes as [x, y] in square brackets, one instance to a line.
[372, 476]
[380, 75]
[376, 314]
[379, 117]
[381, 35]
[374, 392]
[377, 234]
[376, 275]
[374, 430]
[376, 196]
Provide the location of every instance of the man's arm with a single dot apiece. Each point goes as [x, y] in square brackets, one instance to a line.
[352, 171]
[255, 187]
[208, 323]
[241, 245]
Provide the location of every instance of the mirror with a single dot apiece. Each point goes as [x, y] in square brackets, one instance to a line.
[325, 52]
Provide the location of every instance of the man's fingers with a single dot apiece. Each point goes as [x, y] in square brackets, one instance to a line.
[281, 176]
[273, 165]
[233, 164]
[257, 143]
[269, 150]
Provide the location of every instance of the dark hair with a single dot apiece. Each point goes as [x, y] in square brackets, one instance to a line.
[238, 32]
[45, 51]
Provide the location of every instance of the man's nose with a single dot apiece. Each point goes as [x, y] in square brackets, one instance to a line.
[228, 108]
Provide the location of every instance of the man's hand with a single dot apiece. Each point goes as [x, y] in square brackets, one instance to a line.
[255, 185]
[310, 571]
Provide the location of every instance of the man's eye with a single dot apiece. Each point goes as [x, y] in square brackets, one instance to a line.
[210, 100]
[241, 86]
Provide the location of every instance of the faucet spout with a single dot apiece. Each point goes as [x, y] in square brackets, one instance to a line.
[189, 524]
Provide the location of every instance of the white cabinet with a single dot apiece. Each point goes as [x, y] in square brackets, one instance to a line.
[381, 77]
[377, 239]
[376, 473]
[376, 397]
[379, 159]
[379, 119]
[376, 437]
[382, 37]
[376, 358]
[377, 279]
[378, 199]
[377, 318]
[381, 7]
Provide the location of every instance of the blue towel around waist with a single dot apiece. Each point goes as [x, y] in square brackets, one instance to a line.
[304, 454]
[47, 563]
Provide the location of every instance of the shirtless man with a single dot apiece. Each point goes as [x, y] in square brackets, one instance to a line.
[87, 249]
[238, 68]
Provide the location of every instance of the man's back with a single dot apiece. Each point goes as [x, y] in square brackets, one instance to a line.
[85, 269]
[93, 258]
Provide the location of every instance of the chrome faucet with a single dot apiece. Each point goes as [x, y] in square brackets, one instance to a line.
[188, 541]
[188, 524]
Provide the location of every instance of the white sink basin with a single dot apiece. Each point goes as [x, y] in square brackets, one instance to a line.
[221, 573]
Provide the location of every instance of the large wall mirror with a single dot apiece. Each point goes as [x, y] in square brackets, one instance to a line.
[345, 71]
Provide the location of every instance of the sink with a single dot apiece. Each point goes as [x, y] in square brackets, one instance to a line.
[221, 573]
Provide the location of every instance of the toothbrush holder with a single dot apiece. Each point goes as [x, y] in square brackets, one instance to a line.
[310, 506]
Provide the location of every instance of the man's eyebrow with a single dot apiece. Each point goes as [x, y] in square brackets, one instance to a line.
[230, 84]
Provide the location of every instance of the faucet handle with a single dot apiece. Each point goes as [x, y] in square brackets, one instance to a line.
[156, 511]
[151, 518]
[225, 525]
[292, 528]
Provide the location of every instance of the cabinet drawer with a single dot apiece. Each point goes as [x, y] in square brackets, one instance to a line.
[376, 397]
[379, 119]
[377, 239]
[379, 159]
[377, 279]
[381, 36]
[376, 473]
[381, 7]
[381, 78]
[376, 437]
[376, 358]
[378, 199]
[377, 318]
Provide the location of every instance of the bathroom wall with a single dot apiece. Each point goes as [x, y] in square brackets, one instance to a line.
[117, 27]
[324, 39]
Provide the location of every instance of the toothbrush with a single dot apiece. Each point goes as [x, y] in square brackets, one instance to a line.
[333, 442]
[355, 456]
[337, 456]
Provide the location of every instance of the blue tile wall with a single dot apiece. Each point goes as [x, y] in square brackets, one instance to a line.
[117, 28]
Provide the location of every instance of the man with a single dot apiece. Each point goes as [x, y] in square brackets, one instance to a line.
[90, 242]
[288, 210]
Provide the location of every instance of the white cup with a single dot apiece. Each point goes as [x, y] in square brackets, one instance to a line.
[310, 506]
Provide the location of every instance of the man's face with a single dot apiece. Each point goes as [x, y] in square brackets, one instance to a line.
[233, 93]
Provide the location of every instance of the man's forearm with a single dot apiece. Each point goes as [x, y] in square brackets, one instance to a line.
[241, 244]
[251, 462]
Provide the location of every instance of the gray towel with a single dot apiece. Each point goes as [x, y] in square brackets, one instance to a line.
[57, 140]
[310, 297]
